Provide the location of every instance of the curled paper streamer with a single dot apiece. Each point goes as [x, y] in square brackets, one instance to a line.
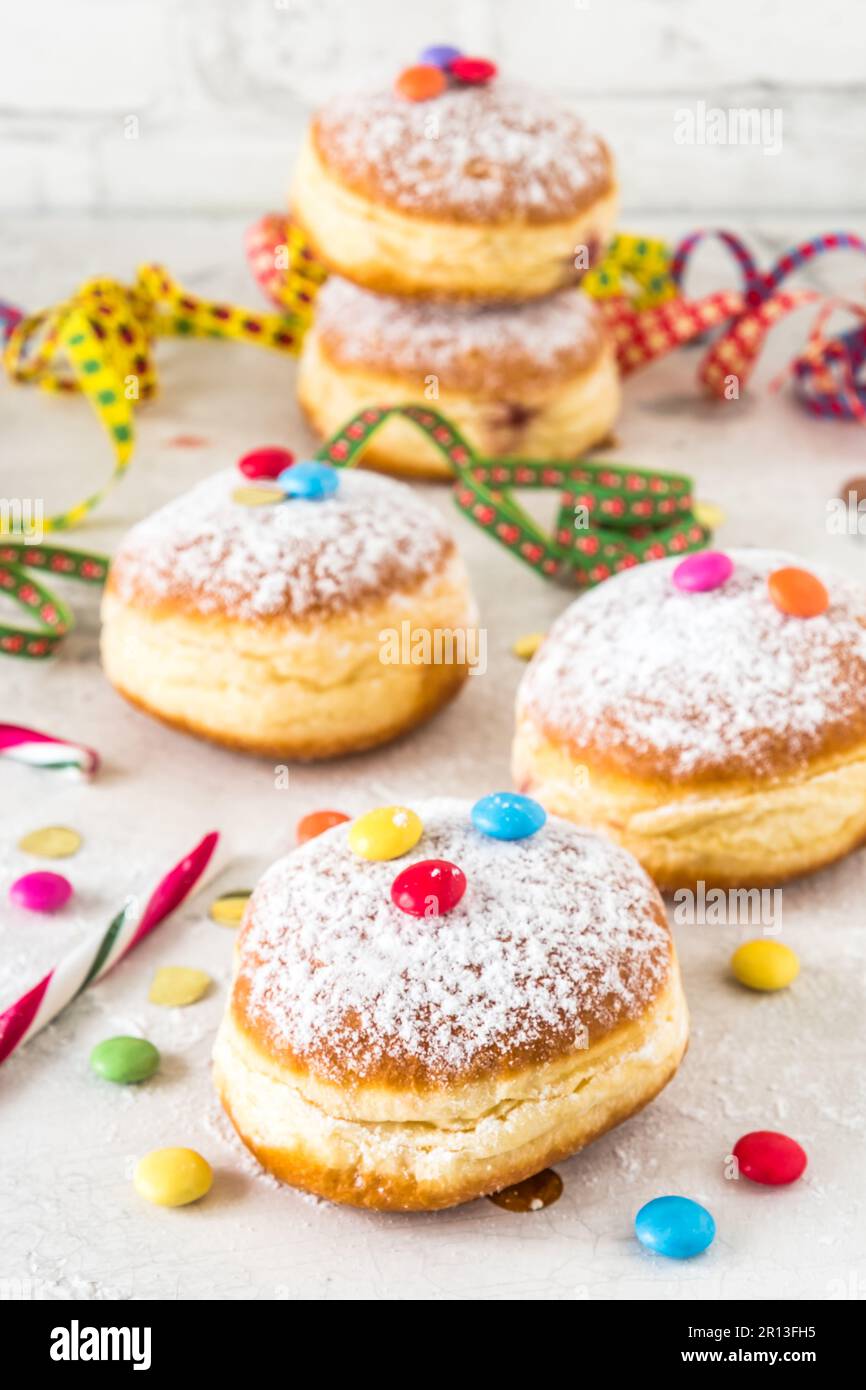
[93, 959]
[53, 617]
[100, 342]
[638, 284]
[827, 374]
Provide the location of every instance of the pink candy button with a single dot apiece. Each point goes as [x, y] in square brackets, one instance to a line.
[41, 891]
[708, 569]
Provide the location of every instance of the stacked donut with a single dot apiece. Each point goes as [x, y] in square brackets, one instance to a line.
[458, 213]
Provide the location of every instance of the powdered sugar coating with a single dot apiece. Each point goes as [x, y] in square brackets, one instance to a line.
[556, 934]
[475, 154]
[468, 346]
[216, 555]
[719, 683]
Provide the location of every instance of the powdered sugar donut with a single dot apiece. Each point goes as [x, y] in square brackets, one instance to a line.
[488, 192]
[715, 736]
[401, 1062]
[536, 379]
[262, 626]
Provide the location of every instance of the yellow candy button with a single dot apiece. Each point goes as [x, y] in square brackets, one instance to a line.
[229, 909]
[709, 515]
[176, 985]
[51, 842]
[172, 1177]
[766, 965]
[526, 647]
[258, 496]
[385, 833]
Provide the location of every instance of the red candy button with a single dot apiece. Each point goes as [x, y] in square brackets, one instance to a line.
[265, 463]
[770, 1158]
[316, 823]
[477, 71]
[798, 593]
[428, 889]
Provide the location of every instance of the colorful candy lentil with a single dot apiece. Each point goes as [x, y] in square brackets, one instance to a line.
[316, 823]
[798, 593]
[675, 1226]
[125, 1061]
[508, 816]
[174, 986]
[229, 908]
[310, 481]
[765, 965]
[421, 82]
[439, 55]
[385, 833]
[172, 1177]
[41, 891]
[770, 1158]
[429, 888]
[268, 462]
[703, 571]
[51, 842]
[473, 71]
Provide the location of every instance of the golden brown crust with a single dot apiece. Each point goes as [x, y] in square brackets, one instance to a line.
[490, 350]
[744, 832]
[557, 421]
[499, 154]
[405, 1191]
[280, 688]
[391, 1149]
[444, 683]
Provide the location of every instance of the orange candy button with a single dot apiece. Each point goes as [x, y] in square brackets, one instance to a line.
[421, 82]
[316, 823]
[798, 593]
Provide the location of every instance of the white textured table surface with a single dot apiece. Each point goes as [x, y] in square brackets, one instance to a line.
[72, 1225]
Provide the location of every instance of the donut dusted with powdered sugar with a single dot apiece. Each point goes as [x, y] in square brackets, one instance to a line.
[260, 626]
[485, 192]
[714, 735]
[406, 1062]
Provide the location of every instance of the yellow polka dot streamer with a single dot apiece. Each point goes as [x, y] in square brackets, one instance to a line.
[635, 266]
[100, 342]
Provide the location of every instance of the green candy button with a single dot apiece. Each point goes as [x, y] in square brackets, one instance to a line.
[125, 1060]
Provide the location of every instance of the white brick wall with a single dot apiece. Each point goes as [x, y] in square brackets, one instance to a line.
[221, 89]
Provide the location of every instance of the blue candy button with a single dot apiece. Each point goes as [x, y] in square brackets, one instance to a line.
[311, 481]
[439, 55]
[675, 1226]
[508, 816]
